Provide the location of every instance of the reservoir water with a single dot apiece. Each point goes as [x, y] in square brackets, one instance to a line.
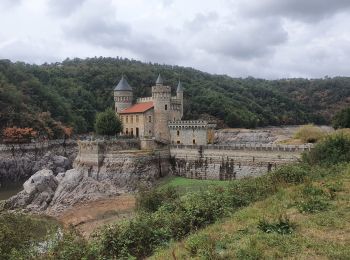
[7, 190]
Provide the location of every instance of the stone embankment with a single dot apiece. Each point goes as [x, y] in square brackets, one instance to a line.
[101, 170]
[20, 161]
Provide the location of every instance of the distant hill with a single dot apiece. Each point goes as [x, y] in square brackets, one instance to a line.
[73, 91]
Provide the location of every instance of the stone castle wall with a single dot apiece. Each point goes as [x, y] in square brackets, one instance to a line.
[231, 162]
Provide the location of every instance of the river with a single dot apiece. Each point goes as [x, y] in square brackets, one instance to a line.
[7, 190]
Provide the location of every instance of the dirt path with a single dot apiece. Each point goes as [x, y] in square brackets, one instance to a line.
[89, 216]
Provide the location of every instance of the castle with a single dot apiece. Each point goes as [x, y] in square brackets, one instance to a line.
[159, 117]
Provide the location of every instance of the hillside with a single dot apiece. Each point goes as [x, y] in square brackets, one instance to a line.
[73, 91]
[277, 228]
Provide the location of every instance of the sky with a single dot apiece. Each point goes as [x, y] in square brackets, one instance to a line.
[260, 38]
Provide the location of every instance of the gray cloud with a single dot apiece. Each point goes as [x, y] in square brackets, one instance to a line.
[9, 3]
[107, 32]
[248, 41]
[64, 7]
[201, 21]
[305, 10]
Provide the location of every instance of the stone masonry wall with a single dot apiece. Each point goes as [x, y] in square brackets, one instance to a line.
[231, 162]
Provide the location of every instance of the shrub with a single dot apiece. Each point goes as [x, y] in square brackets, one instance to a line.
[309, 134]
[333, 149]
[107, 123]
[292, 173]
[283, 226]
[151, 200]
[202, 246]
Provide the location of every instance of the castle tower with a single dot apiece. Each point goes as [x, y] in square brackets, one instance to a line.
[122, 95]
[162, 109]
[180, 96]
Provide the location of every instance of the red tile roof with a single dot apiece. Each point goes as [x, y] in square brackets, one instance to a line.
[138, 108]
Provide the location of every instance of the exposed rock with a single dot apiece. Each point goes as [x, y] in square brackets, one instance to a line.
[18, 165]
[38, 192]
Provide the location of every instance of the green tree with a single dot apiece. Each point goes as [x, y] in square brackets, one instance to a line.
[342, 119]
[107, 123]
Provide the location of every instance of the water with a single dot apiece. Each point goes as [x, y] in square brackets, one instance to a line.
[7, 190]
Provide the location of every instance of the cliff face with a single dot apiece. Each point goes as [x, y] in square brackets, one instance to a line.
[19, 162]
[111, 175]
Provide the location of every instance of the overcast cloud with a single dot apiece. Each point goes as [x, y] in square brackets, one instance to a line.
[260, 38]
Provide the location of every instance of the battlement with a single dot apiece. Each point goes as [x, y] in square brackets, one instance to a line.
[249, 147]
[145, 99]
[190, 124]
[161, 89]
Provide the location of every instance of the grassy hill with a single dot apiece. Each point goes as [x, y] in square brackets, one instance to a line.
[73, 91]
[314, 231]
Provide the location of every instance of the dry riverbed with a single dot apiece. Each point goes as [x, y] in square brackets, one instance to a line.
[89, 216]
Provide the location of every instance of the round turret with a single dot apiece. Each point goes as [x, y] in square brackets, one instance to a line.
[122, 95]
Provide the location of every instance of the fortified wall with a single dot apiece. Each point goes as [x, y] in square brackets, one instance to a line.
[123, 163]
[231, 162]
[218, 162]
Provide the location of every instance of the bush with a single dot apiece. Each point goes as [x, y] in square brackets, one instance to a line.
[107, 123]
[202, 246]
[283, 226]
[333, 149]
[292, 173]
[309, 134]
[151, 200]
[20, 234]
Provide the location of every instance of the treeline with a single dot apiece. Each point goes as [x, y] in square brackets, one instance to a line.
[70, 93]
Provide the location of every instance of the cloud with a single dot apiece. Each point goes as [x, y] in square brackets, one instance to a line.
[201, 21]
[105, 30]
[9, 3]
[304, 10]
[64, 7]
[249, 40]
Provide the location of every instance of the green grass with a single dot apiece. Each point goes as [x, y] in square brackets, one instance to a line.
[317, 235]
[184, 185]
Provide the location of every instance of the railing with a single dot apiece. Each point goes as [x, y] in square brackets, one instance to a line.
[250, 146]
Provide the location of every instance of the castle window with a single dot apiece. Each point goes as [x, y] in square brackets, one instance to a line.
[150, 132]
[194, 141]
[132, 132]
[132, 119]
[127, 119]
[126, 131]
[166, 107]
[137, 118]
[177, 132]
[178, 142]
[150, 119]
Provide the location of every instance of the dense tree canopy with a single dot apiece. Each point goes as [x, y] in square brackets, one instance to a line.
[73, 91]
[342, 119]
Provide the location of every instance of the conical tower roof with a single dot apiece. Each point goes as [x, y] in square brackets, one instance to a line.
[123, 85]
[159, 80]
[179, 87]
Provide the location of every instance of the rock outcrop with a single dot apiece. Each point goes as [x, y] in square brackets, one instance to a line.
[121, 173]
[17, 165]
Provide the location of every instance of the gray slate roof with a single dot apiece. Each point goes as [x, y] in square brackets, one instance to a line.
[179, 87]
[159, 80]
[123, 85]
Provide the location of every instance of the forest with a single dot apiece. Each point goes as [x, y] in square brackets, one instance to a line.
[52, 97]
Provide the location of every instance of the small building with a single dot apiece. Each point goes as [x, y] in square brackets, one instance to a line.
[192, 132]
